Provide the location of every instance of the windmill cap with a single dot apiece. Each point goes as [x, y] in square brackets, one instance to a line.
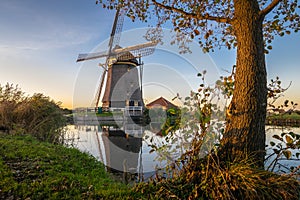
[126, 56]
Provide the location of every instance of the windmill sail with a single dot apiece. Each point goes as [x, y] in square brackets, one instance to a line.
[99, 90]
[117, 28]
[91, 56]
[137, 50]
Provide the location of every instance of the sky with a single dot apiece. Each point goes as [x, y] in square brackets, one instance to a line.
[40, 42]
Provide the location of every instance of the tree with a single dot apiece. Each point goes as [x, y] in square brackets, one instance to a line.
[247, 25]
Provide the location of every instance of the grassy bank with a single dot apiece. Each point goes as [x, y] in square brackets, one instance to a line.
[38, 170]
[292, 119]
[292, 116]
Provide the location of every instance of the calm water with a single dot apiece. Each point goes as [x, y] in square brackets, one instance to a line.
[120, 152]
[130, 152]
[283, 165]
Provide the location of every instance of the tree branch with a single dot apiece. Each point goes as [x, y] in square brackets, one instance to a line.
[269, 8]
[192, 15]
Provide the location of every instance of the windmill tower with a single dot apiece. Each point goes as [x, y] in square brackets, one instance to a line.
[123, 80]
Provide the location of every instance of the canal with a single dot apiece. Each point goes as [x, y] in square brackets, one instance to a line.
[128, 150]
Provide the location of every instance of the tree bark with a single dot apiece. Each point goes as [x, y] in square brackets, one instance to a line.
[244, 136]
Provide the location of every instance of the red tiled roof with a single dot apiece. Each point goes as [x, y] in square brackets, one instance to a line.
[162, 102]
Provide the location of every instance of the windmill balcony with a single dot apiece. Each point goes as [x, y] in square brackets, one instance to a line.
[133, 110]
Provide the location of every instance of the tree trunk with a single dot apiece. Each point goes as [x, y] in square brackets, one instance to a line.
[244, 136]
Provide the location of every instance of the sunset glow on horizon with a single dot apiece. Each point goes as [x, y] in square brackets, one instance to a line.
[40, 42]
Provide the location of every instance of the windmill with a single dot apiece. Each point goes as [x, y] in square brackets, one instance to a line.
[123, 81]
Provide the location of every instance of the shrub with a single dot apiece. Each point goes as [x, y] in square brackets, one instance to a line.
[10, 98]
[42, 118]
[37, 115]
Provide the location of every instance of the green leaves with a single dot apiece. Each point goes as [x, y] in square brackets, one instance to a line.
[272, 143]
[277, 137]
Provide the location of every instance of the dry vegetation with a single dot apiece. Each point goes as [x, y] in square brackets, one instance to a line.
[37, 115]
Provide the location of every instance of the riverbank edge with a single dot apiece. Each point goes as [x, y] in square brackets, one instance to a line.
[39, 170]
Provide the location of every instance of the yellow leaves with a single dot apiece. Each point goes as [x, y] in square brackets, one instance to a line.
[227, 84]
[196, 32]
[287, 154]
[228, 79]
[288, 139]
[207, 34]
[132, 17]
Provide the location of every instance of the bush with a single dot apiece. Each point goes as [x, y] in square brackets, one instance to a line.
[37, 115]
[10, 98]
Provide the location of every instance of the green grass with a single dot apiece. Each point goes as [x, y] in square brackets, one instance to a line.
[293, 116]
[104, 114]
[30, 169]
[110, 114]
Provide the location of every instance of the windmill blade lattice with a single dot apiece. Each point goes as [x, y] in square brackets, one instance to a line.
[99, 89]
[91, 56]
[113, 40]
[136, 51]
[118, 29]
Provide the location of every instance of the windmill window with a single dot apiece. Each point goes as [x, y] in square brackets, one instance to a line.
[136, 103]
[131, 103]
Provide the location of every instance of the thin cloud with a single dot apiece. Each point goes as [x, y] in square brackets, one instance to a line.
[26, 27]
